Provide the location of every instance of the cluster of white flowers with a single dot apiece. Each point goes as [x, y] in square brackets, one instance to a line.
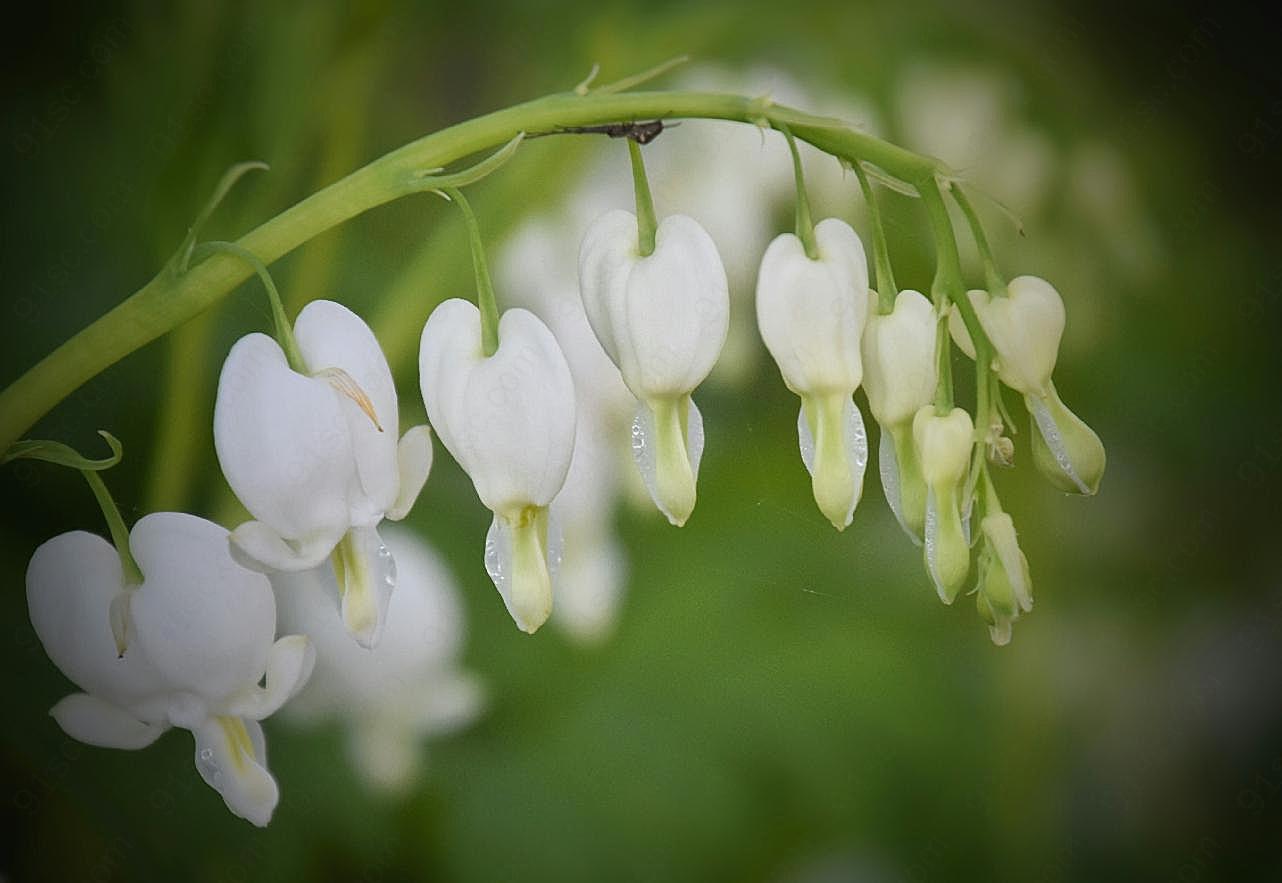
[533, 404]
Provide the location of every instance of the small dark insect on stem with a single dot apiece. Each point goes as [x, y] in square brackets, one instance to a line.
[640, 132]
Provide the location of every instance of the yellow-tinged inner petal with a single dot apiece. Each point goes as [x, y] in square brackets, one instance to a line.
[242, 748]
[831, 477]
[674, 476]
[341, 381]
[531, 582]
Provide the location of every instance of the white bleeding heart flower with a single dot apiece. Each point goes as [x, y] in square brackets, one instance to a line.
[508, 419]
[315, 459]
[201, 639]
[811, 315]
[901, 372]
[943, 446]
[1005, 590]
[409, 688]
[1025, 328]
[662, 319]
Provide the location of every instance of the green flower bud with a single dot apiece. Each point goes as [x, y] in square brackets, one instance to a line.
[1005, 590]
[1065, 449]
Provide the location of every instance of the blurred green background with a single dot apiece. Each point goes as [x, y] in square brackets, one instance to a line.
[779, 702]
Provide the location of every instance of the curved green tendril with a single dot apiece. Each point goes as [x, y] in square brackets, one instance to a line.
[182, 258]
[430, 180]
[64, 455]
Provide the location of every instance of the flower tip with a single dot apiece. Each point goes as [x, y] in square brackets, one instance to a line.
[1001, 633]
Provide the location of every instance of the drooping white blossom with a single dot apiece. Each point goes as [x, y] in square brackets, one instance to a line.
[537, 268]
[901, 372]
[409, 688]
[1025, 326]
[811, 313]
[314, 456]
[662, 320]
[202, 637]
[508, 419]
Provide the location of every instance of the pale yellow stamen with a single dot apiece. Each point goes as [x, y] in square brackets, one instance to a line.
[345, 385]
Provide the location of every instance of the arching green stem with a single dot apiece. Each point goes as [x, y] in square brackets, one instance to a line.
[171, 298]
[886, 288]
[284, 331]
[993, 279]
[805, 226]
[484, 287]
[647, 223]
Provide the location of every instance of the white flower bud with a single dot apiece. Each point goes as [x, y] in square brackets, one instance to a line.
[1005, 590]
[508, 419]
[943, 446]
[662, 319]
[811, 315]
[1065, 449]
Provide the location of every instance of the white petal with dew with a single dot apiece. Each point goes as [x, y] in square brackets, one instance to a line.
[231, 757]
[646, 443]
[517, 560]
[854, 439]
[366, 573]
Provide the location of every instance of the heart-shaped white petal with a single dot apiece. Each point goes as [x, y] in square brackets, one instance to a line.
[661, 318]
[811, 313]
[204, 621]
[900, 368]
[284, 442]
[1024, 327]
[71, 582]
[507, 419]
